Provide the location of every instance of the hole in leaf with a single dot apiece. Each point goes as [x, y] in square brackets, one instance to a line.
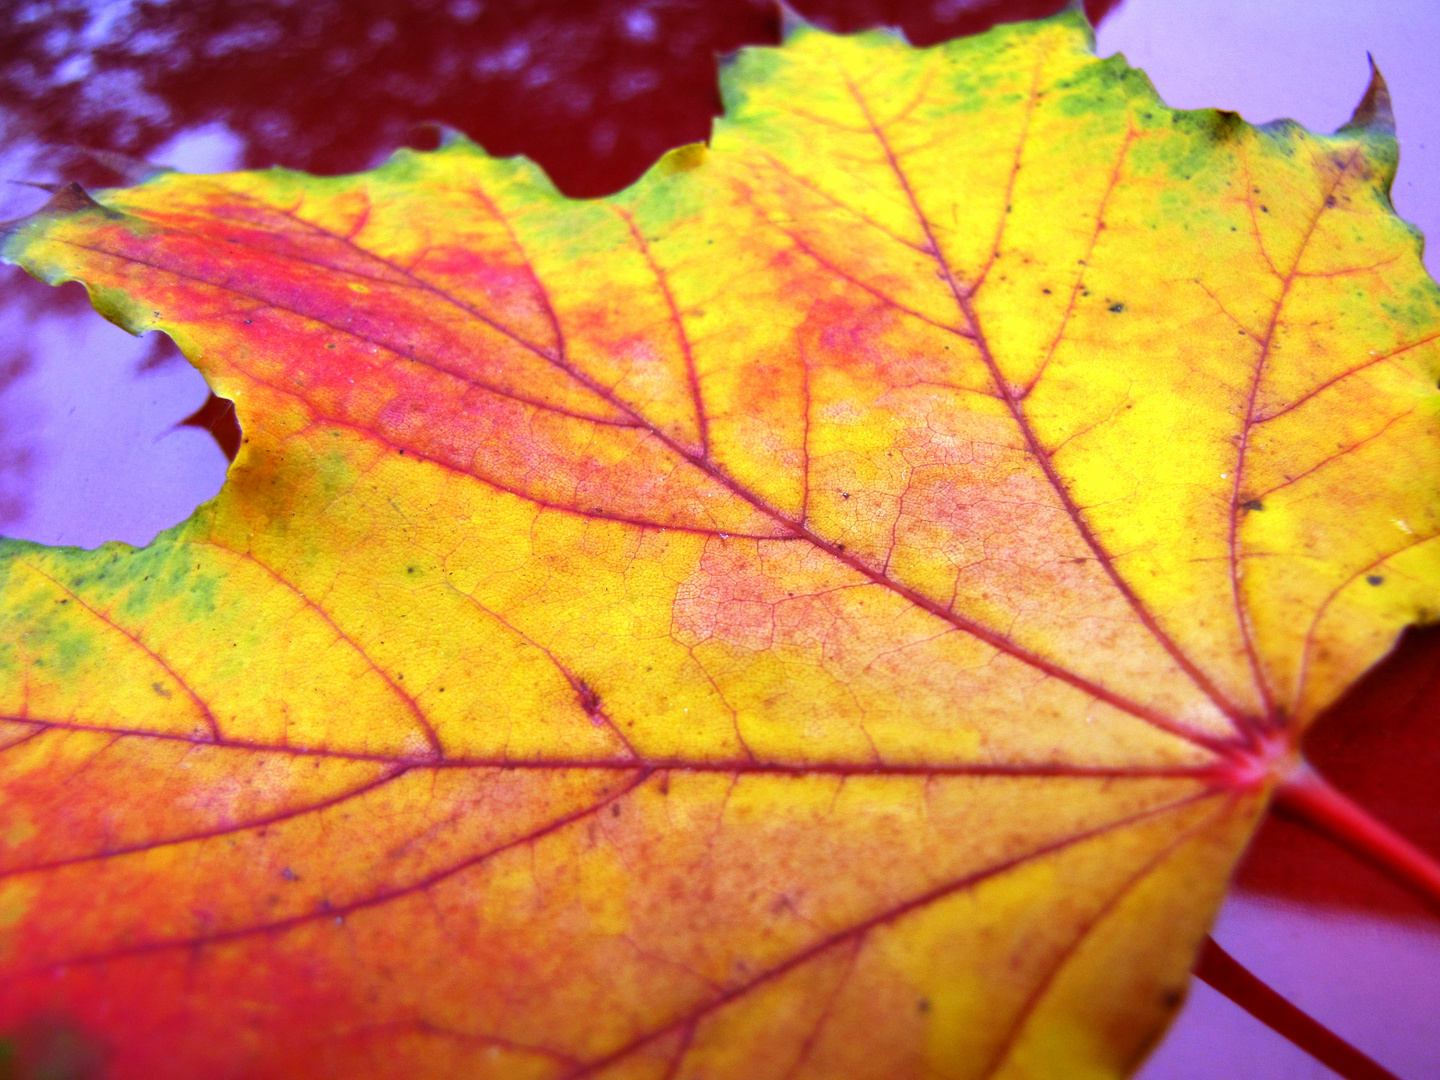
[105, 436]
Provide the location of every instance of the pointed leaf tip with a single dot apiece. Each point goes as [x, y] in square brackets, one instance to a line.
[68, 199]
[64, 199]
[1374, 113]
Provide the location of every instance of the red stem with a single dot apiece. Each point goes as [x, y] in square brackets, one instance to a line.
[1308, 799]
[1224, 973]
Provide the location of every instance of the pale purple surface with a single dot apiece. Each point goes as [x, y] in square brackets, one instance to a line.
[107, 462]
[1375, 982]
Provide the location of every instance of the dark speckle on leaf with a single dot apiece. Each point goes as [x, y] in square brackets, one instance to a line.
[1375, 579]
[1253, 504]
[1117, 308]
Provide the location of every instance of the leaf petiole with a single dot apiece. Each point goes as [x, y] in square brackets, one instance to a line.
[1222, 972]
[1308, 799]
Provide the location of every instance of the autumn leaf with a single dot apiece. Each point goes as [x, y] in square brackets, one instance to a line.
[837, 608]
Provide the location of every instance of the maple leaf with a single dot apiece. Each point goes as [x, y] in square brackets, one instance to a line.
[837, 608]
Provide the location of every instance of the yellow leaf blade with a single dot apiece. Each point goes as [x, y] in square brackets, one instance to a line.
[833, 609]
